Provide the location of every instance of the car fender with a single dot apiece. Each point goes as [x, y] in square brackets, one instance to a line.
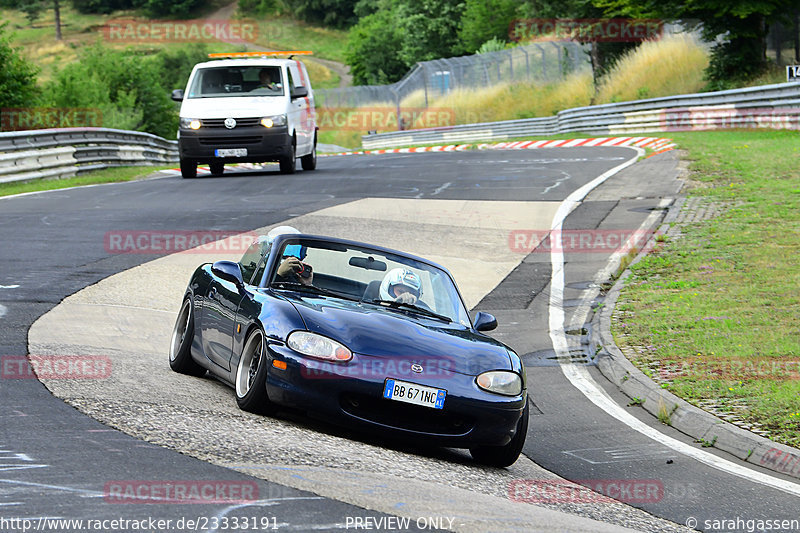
[261, 308]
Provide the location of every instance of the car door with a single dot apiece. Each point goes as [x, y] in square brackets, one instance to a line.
[219, 320]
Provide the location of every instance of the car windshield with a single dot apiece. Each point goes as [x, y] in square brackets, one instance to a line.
[372, 277]
[223, 82]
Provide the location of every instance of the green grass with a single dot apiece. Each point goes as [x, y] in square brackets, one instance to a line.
[41, 48]
[108, 175]
[722, 302]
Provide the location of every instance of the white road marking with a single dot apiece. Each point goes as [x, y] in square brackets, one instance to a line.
[440, 189]
[264, 503]
[580, 378]
[3, 310]
[8, 286]
[85, 493]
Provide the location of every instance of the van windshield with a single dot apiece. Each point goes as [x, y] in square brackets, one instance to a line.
[220, 82]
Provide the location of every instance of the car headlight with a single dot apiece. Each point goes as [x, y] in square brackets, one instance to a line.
[319, 346]
[190, 123]
[500, 382]
[275, 120]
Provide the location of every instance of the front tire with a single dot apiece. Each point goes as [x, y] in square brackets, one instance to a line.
[309, 162]
[216, 168]
[180, 348]
[289, 164]
[251, 375]
[188, 169]
[502, 456]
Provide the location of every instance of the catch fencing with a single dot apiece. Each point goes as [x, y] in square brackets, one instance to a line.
[61, 153]
[770, 106]
[427, 80]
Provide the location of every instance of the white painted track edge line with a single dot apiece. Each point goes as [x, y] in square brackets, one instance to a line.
[580, 378]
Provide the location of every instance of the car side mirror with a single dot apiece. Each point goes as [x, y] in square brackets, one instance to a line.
[177, 95]
[299, 92]
[485, 321]
[229, 271]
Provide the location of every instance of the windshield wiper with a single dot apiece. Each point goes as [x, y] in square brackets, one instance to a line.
[294, 286]
[411, 307]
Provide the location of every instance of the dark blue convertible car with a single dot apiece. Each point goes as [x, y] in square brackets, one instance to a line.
[357, 334]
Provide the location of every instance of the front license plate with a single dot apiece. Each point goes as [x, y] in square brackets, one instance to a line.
[403, 391]
[230, 152]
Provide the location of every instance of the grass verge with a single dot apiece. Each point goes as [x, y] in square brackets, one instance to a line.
[714, 313]
[108, 175]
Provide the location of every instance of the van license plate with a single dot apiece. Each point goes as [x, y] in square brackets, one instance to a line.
[403, 391]
[230, 152]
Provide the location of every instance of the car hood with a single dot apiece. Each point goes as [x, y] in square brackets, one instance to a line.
[234, 106]
[372, 331]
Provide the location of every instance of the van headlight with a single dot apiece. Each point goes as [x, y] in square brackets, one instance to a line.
[190, 123]
[500, 382]
[274, 120]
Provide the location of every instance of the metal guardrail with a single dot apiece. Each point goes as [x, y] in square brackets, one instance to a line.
[768, 106]
[60, 153]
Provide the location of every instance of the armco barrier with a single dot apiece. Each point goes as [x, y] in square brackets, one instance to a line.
[768, 106]
[59, 153]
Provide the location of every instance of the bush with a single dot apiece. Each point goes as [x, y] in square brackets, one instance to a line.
[17, 76]
[175, 65]
[673, 65]
[125, 87]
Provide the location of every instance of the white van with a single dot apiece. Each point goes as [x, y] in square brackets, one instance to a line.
[247, 108]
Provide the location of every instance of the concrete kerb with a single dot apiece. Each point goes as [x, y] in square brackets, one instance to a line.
[685, 417]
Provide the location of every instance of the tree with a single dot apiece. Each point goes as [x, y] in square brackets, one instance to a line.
[179, 9]
[33, 10]
[335, 13]
[741, 26]
[17, 76]
[603, 54]
[383, 45]
[485, 20]
[104, 6]
[428, 29]
[372, 50]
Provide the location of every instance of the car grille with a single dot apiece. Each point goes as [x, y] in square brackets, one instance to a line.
[240, 122]
[230, 140]
[405, 416]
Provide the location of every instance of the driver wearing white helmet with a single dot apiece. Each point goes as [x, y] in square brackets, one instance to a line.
[401, 285]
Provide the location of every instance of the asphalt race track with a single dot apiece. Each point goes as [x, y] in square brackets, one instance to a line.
[58, 462]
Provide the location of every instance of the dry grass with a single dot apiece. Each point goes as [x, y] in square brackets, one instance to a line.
[672, 65]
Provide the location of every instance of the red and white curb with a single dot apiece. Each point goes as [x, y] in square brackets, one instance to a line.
[657, 144]
[654, 143]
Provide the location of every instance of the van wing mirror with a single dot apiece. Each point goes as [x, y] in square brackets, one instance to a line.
[299, 92]
[177, 95]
